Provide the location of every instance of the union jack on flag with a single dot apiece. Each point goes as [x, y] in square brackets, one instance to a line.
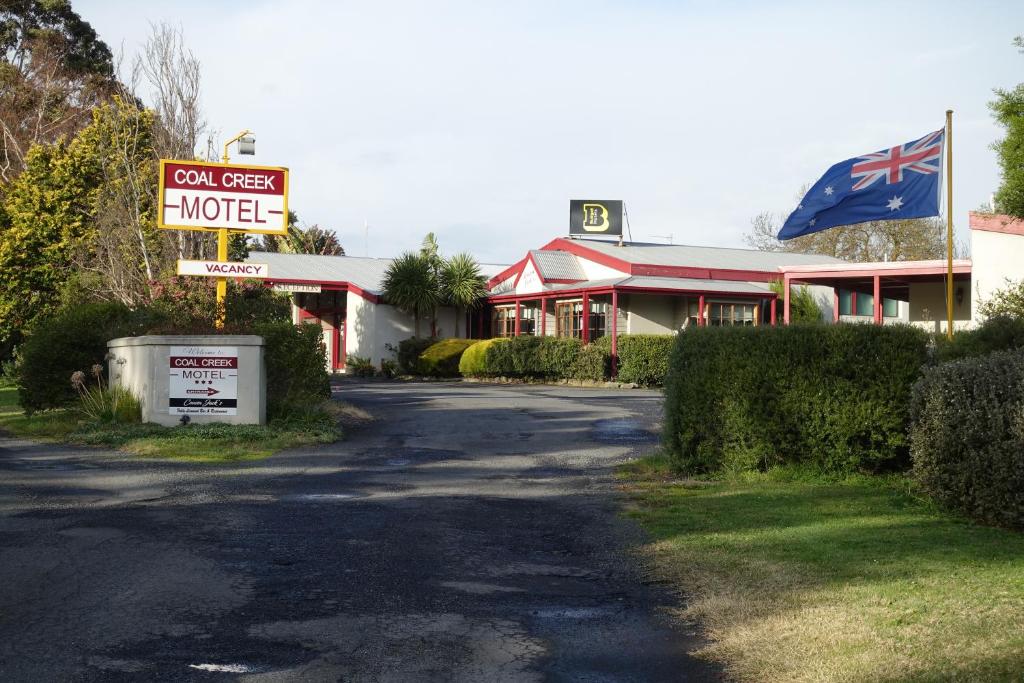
[923, 156]
[850, 191]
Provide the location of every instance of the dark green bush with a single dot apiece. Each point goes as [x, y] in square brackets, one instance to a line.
[835, 397]
[592, 363]
[995, 334]
[473, 361]
[442, 358]
[408, 354]
[967, 436]
[643, 358]
[359, 367]
[71, 339]
[296, 363]
[547, 358]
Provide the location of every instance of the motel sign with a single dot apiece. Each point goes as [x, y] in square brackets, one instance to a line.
[203, 196]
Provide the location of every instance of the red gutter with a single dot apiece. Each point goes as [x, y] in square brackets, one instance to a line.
[559, 293]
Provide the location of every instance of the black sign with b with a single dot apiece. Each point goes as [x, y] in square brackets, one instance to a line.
[595, 217]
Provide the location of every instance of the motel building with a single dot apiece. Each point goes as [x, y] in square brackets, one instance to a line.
[590, 288]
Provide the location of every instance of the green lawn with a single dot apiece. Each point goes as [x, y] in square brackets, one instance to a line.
[854, 580]
[199, 443]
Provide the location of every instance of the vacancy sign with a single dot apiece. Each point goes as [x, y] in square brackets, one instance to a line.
[203, 380]
[223, 269]
[195, 195]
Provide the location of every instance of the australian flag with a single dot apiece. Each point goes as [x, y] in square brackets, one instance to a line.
[896, 183]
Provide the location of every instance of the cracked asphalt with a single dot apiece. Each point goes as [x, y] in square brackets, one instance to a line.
[470, 533]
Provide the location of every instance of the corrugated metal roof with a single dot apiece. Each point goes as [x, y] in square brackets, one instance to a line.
[671, 283]
[704, 257]
[558, 265]
[365, 273]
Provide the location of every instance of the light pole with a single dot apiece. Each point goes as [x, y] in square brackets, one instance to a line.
[246, 145]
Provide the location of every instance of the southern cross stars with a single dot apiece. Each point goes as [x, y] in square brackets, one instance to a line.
[895, 203]
[812, 222]
[829, 191]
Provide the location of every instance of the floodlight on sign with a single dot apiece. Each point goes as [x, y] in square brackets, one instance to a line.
[247, 145]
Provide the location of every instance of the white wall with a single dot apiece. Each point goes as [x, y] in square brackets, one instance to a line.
[997, 260]
[596, 271]
[651, 314]
[928, 306]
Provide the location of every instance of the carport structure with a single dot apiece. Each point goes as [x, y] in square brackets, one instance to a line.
[919, 283]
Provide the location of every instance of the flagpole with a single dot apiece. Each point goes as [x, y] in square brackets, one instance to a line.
[949, 223]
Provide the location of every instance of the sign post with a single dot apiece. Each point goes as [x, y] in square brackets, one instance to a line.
[228, 198]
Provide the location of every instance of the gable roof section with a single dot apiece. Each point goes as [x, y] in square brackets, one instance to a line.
[557, 266]
[658, 284]
[664, 260]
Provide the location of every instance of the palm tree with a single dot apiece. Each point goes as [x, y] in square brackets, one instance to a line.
[462, 285]
[411, 285]
[430, 252]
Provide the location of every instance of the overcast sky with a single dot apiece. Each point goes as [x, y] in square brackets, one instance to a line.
[479, 120]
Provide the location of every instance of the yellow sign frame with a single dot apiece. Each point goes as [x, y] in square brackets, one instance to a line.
[160, 198]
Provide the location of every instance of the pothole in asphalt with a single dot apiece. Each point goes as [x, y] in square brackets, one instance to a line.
[621, 431]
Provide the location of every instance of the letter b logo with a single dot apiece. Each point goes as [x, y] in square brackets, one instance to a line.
[595, 218]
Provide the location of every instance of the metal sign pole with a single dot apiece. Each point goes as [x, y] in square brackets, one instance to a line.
[222, 244]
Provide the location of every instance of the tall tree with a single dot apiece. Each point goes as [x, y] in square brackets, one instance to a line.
[299, 240]
[1008, 110]
[53, 70]
[411, 285]
[904, 240]
[462, 285]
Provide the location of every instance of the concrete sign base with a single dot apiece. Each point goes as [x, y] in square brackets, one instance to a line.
[198, 379]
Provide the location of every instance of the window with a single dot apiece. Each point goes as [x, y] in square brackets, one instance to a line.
[569, 319]
[865, 304]
[528, 320]
[598, 320]
[693, 312]
[890, 308]
[731, 314]
[503, 324]
[845, 302]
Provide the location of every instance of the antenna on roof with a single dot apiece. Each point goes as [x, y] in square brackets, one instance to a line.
[625, 213]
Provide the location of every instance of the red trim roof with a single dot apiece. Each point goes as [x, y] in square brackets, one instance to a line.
[994, 222]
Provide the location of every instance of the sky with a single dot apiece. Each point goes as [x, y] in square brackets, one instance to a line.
[480, 120]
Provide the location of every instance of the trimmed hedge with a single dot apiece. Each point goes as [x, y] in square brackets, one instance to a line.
[967, 437]
[643, 358]
[442, 358]
[831, 396]
[472, 363]
[995, 334]
[528, 357]
[296, 364]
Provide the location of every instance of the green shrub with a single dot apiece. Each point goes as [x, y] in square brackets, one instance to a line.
[442, 358]
[101, 402]
[473, 360]
[388, 368]
[408, 354]
[643, 358]
[360, 367]
[967, 436]
[296, 364]
[515, 357]
[995, 334]
[557, 357]
[592, 363]
[72, 339]
[834, 397]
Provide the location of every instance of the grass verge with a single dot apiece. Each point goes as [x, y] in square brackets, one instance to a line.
[796, 578]
[196, 443]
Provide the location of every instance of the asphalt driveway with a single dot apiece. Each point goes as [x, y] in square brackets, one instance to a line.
[469, 534]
